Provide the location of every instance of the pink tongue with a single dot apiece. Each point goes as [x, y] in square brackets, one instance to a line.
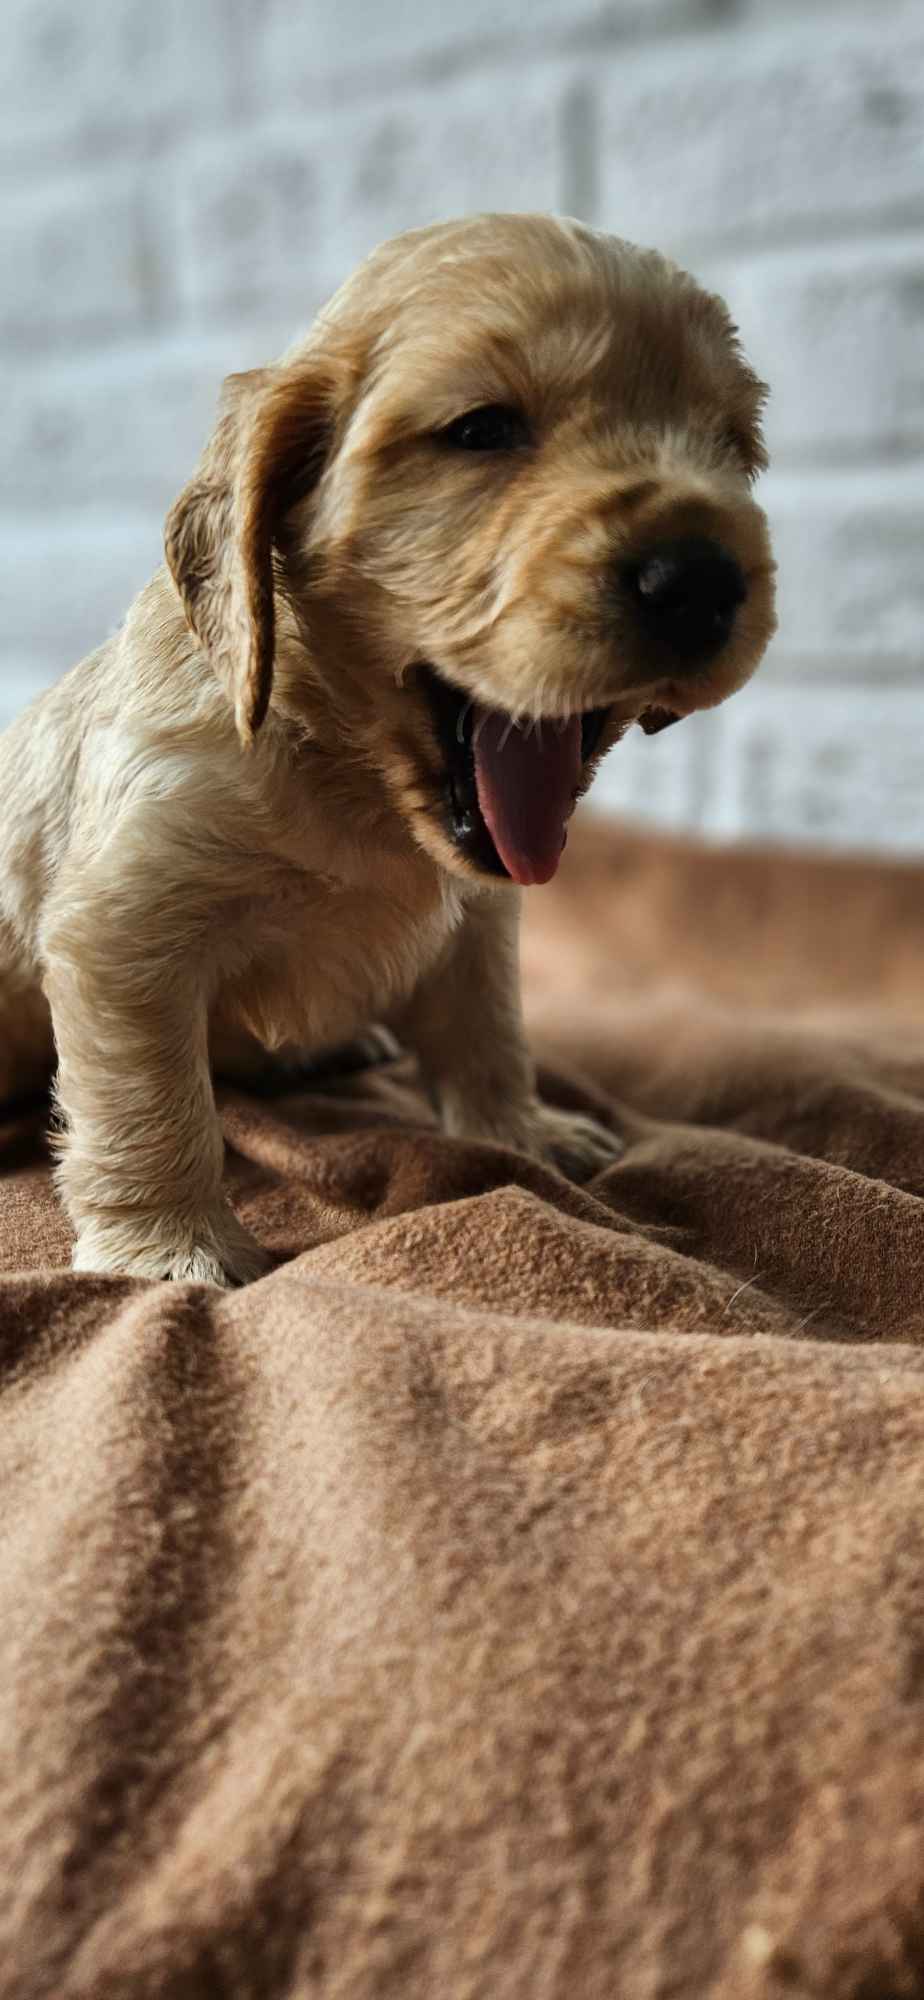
[526, 784]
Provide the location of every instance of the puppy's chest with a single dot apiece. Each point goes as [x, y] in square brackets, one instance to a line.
[325, 958]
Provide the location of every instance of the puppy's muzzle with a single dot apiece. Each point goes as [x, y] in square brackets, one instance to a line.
[686, 595]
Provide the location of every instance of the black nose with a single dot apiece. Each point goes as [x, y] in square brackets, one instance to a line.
[686, 594]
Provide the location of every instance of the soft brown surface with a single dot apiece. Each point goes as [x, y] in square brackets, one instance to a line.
[520, 1592]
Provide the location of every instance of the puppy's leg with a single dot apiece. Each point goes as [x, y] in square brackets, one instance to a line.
[141, 1155]
[465, 1024]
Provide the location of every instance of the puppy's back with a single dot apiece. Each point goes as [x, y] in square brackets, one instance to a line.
[39, 764]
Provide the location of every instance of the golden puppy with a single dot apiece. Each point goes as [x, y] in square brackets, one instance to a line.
[493, 509]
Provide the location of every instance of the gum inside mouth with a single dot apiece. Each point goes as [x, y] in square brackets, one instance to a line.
[510, 791]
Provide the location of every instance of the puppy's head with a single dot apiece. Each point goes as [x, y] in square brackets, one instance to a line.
[504, 491]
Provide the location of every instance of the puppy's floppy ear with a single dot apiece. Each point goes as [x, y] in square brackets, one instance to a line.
[267, 451]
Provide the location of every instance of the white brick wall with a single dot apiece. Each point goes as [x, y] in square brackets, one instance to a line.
[284, 214]
[185, 182]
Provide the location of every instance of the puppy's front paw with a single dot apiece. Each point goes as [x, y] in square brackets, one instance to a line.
[577, 1144]
[209, 1250]
[235, 1264]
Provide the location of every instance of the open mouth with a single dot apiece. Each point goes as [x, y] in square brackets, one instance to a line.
[510, 789]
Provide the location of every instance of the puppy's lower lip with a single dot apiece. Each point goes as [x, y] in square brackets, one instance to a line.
[509, 792]
[652, 720]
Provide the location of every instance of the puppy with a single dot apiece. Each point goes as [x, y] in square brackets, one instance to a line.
[492, 510]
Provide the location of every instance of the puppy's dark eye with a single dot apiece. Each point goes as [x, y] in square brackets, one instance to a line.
[493, 427]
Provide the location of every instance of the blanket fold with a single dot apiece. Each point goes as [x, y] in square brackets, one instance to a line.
[519, 1592]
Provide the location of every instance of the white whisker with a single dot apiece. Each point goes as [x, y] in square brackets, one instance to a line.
[464, 713]
[748, 1282]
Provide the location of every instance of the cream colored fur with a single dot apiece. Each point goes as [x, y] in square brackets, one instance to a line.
[222, 834]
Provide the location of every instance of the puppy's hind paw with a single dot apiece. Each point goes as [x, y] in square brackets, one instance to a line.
[275, 1073]
[368, 1050]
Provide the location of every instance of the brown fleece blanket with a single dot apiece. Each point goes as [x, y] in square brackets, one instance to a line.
[520, 1591]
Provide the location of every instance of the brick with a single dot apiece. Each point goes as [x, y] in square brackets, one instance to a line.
[662, 780]
[839, 767]
[836, 767]
[839, 335]
[300, 50]
[75, 78]
[851, 579]
[287, 212]
[66, 584]
[250, 225]
[794, 127]
[73, 257]
[123, 425]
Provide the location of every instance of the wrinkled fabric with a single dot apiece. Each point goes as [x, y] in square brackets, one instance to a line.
[519, 1592]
